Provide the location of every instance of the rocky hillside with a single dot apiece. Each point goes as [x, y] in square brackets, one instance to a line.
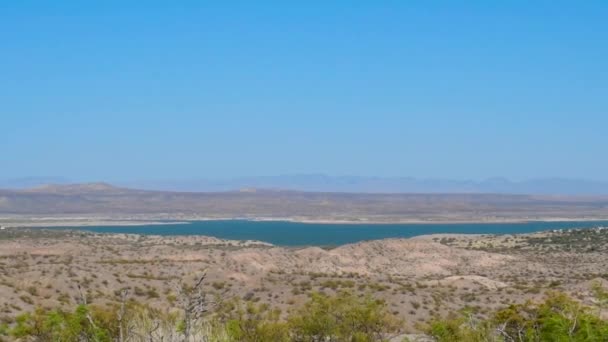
[418, 277]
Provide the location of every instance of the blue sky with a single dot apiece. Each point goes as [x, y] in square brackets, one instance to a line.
[131, 90]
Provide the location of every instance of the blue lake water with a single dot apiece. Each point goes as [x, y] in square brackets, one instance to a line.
[317, 234]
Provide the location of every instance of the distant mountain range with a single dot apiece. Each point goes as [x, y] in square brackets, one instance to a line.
[352, 184]
[30, 182]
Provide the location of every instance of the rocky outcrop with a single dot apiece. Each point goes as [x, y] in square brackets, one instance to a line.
[391, 257]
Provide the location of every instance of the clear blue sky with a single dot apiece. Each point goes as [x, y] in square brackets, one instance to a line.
[136, 90]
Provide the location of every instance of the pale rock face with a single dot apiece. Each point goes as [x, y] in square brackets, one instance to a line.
[395, 257]
[467, 281]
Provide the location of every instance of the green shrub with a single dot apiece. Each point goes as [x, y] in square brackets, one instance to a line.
[344, 317]
[55, 325]
[558, 318]
[256, 323]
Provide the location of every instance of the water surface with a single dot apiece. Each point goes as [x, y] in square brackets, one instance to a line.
[319, 234]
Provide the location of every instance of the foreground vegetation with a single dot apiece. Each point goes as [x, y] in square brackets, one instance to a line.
[344, 317]
[558, 318]
[76, 286]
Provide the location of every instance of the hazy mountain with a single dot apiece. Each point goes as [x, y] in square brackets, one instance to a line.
[350, 184]
[30, 182]
[354, 184]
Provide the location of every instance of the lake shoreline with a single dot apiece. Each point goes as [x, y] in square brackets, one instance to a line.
[286, 233]
[40, 222]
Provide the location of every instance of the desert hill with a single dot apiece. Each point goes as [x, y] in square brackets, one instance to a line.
[420, 277]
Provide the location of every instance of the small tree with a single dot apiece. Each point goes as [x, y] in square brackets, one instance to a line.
[344, 317]
[256, 323]
[193, 303]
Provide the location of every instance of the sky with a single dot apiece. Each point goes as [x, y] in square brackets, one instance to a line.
[140, 90]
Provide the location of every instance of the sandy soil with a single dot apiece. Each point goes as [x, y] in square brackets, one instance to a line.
[419, 278]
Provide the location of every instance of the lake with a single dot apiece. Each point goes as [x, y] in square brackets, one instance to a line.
[318, 234]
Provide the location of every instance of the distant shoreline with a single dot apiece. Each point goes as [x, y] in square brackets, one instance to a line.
[92, 223]
[419, 221]
[41, 222]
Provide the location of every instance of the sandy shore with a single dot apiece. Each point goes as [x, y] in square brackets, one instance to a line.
[141, 220]
[66, 222]
[423, 221]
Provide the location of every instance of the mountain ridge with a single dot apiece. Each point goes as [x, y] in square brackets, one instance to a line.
[358, 184]
[346, 184]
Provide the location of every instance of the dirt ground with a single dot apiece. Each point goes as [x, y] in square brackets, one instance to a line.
[419, 278]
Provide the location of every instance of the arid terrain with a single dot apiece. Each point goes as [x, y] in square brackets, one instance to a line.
[95, 203]
[419, 278]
